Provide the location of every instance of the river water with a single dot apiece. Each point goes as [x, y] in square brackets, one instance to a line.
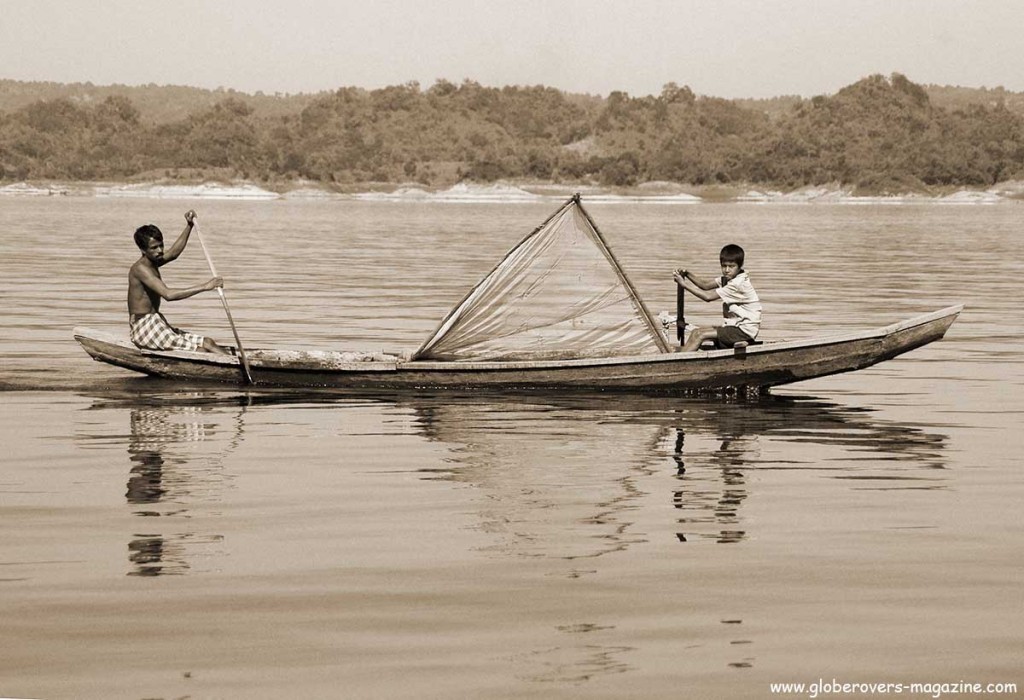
[167, 541]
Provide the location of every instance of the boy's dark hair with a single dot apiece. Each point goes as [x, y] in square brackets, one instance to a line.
[144, 234]
[731, 253]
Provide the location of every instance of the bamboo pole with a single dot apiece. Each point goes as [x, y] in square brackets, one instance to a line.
[227, 310]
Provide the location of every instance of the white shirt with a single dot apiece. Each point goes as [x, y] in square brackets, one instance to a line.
[741, 305]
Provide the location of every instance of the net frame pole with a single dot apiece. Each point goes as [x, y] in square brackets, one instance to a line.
[624, 278]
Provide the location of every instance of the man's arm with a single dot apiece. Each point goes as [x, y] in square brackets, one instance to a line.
[152, 281]
[179, 245]
[692, 288]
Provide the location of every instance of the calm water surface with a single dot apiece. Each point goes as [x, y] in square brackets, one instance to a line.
[163, 541]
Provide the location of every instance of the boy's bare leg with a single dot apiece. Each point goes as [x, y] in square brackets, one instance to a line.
[698, 336]
[210, 346]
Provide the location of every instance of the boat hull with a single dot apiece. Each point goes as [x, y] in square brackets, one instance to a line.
[745, 369]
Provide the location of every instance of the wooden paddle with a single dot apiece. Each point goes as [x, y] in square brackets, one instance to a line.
[227, 309]
[680, 313]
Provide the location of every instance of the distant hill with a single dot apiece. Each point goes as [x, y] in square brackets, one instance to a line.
[167, 103]
[952, 97]
[774, 107]
[945, 96]
[158, 104]
[880, 134]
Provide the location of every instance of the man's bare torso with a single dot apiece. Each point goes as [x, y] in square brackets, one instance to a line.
[142, 299]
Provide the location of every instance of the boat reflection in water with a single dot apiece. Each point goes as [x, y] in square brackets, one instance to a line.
[568, 477]
[555, 464]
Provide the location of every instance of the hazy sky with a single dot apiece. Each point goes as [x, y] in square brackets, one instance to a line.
[728, 48]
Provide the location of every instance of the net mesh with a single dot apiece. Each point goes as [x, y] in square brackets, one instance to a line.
[559, 294]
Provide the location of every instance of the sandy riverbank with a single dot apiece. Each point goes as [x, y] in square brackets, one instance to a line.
[655, 192]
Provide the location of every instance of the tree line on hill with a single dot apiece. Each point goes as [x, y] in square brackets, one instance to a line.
[880, 134]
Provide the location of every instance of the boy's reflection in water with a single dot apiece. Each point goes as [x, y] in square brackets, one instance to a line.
[725, 443]
[718, 505]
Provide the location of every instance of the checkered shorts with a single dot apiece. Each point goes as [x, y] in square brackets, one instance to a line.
[152, 332]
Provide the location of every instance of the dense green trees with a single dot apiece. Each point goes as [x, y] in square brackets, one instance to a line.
[879, 134]
[58, 139]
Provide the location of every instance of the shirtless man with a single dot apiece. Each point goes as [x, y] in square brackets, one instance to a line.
[149, 328]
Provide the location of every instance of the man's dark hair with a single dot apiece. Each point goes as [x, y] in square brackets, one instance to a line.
[731, 253]
[144, 234]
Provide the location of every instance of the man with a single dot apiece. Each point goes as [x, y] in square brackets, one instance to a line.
[146, 288]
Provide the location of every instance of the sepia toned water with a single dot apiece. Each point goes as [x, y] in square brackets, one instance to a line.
[165, 541]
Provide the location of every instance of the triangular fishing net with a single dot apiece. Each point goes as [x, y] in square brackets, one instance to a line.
[559, 294]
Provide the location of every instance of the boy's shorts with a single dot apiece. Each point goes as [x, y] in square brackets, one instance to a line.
[728, 336]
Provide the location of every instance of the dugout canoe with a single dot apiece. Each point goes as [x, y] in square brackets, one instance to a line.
[744, 369]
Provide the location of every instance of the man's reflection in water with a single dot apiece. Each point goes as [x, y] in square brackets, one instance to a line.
[145, 486]
[166, 477]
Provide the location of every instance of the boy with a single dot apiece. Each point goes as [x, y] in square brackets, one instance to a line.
[740, 304]
[149, 328]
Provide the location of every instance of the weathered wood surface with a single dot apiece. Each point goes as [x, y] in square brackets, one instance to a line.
[756, 367]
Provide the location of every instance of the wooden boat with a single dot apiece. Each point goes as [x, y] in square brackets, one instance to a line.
[558, 311]
[742, 369]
